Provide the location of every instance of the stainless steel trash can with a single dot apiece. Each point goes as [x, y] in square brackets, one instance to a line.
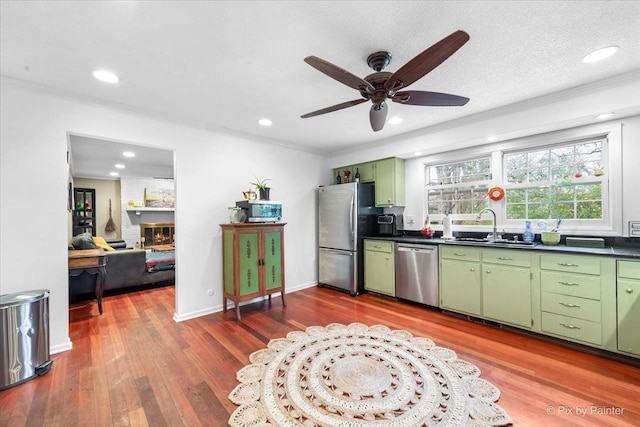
[24, 336]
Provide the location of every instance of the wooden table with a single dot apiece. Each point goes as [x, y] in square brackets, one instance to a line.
[93, 261]
[161, 248]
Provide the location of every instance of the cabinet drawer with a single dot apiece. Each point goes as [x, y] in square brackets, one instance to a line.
[579, 285]
[572, 263]
[507, 257]
[629, 269]
[462, 253]
[565, 305]
[385, 246]
[570, 327]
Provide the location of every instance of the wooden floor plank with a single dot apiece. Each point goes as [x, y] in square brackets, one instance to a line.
[135, 366]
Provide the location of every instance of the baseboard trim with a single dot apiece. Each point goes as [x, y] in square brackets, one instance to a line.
[54, 349]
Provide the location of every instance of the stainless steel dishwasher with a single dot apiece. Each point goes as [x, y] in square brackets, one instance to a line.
[417, 273]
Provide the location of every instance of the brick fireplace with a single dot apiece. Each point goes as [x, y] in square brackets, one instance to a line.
[157, 233]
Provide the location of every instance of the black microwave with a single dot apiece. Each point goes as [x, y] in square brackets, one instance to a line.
[261, 210]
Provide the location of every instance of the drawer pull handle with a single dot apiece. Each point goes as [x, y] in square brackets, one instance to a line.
[566, 264]
[488, 271]
[473, 269]
[569, 305]
[459, 254]
[504, 258]
[569, 326]
[569, 283]
[629, 291]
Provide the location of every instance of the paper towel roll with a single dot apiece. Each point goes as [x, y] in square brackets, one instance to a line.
[447, 227]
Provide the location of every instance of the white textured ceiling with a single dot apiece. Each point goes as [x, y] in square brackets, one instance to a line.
[226, 64]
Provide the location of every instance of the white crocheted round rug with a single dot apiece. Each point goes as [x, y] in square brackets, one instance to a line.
[358, 375]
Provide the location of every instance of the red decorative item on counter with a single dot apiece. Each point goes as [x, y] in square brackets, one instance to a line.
[427, 232]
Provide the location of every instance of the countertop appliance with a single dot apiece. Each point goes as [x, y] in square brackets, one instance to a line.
[417, 273]
[346, 213]
[261, 210]
[390, 225]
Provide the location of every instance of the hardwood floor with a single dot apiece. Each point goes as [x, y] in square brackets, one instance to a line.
[134, 366]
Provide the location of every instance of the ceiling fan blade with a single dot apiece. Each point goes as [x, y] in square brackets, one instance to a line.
[334, 108]
[427, 60]
[430, 99]
[378, 116]
[337, 73]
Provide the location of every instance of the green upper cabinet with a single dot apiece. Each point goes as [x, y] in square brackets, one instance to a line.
[389, 178]
[388, 174]
[365, 170]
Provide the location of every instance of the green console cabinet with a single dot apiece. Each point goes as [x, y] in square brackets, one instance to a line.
[253, 262]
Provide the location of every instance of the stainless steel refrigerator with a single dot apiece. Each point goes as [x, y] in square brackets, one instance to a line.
[346, 213]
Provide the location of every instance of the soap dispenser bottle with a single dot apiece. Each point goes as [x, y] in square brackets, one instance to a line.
[527, 235]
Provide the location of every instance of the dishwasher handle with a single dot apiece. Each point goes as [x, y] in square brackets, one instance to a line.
[401, 248]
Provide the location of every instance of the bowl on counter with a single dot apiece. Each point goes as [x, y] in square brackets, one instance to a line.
[550, 238]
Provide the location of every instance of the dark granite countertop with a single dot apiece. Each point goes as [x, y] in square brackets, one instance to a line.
[623, 250]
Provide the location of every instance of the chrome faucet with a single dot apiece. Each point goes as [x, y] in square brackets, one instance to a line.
[495, 228]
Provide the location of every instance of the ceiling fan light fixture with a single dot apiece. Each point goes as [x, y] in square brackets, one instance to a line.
[106, 76]
[265, 122]
[600, 54]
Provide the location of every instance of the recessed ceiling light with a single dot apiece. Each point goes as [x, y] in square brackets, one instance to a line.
[492, 138]
[113, 173]
[604, 116]
[129, 154]
[105, 76]
[265, 122]
[600, 54]
[119, 166]
[395, 120]
[417, 153]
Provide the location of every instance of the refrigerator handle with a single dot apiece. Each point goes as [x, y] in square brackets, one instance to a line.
[351, 217]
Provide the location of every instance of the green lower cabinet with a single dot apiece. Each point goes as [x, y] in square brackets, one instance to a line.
[379, 267]
[460, 286]
[506, 294]
[629, 307]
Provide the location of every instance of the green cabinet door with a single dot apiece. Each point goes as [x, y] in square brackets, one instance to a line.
[389, 178]
[248, 266]
[366, 172]
[506, 294]
[273, 259]
[460, 286]
[629, 316]
[379, 272]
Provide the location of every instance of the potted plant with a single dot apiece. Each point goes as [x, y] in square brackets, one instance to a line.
[261, 185]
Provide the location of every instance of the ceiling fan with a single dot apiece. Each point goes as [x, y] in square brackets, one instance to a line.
[383, 85]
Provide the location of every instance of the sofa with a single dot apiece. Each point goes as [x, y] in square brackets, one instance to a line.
[125, 267]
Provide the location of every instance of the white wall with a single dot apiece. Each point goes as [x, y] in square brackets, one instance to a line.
[212, 170]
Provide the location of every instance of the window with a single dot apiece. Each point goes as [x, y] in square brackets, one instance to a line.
[559, 182]
[457, 188]
[573, 174]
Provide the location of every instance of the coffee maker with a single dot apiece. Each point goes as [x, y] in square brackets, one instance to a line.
[390, 225]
